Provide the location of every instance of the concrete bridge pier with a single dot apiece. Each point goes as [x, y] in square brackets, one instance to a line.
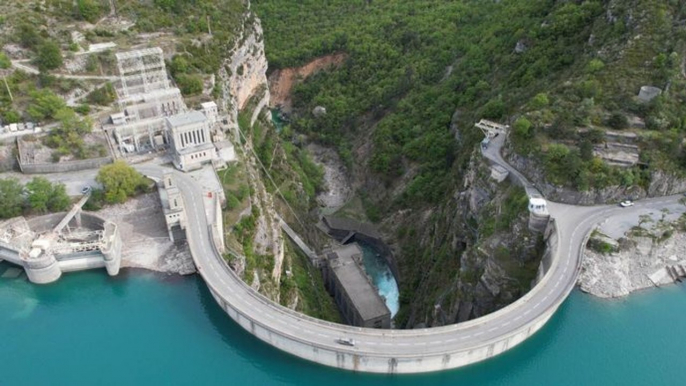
[538, 223]
[43, 270]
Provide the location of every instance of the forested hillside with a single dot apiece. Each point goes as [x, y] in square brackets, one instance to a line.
[566, 65]
[565, 74]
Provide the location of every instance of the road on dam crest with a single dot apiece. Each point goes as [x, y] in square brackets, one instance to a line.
[397, 351]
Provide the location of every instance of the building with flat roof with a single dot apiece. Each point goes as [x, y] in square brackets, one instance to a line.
[173, 208]
[211, 112]
[190, 140]
[499, 173]
[355, 295]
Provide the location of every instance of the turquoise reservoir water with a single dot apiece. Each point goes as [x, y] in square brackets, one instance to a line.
[143, 328]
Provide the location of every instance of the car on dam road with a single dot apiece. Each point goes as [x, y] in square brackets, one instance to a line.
[626, 203]
[346, 341]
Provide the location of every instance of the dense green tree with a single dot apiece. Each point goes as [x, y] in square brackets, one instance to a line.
[178, 65]
[49, 56]
[28, 35]
[103, 96]
[11, 198]
[540, 101]
[89, 10]
[71, 121]
[59, 201]
[189, 84]
[618, 121]
[586, 150]
[595, 65]
[44, 196]
[10, 116]
[39, 190]
[522, 128]
[494, 109]
[120, 181]
[44, 105]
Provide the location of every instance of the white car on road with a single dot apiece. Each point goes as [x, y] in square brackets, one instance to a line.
[346, 341]
[626, 203]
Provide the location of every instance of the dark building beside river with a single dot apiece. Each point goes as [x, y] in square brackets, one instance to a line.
[355, 295]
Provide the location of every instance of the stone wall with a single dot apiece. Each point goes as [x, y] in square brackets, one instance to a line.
[63, 167]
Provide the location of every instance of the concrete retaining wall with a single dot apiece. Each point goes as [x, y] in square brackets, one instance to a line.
[550, 251]
[63, 167]
[413, 363]
[418, 363]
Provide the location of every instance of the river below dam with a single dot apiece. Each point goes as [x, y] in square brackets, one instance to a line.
[146, 328]
[381, 276]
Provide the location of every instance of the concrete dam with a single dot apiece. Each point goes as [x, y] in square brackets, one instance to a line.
[391, 351]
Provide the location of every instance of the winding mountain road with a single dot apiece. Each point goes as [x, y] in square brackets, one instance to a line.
[399, 351]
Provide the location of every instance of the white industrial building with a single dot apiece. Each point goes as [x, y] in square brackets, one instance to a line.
[154, 116]
[190, 140]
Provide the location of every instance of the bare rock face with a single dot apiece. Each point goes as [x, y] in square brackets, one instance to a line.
[661, 184]
[642, 262]
[178, 261]
[244, 73]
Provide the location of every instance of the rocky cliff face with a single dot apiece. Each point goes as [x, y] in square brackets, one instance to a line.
[661, 184]
[244, 74]
[467, 257]
[648, 258]
[244, 85]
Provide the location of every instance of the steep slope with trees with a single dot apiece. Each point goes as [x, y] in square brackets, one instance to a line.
[400, 112]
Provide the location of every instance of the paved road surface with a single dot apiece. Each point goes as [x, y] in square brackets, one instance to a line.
[574, 224]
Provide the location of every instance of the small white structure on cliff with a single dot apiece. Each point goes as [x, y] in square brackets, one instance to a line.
[499, 173]
[538, 206]
[211, 112]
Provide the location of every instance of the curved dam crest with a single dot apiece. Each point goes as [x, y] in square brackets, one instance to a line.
[391, 351]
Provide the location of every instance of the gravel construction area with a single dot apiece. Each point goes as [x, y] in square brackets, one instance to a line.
[146, 243]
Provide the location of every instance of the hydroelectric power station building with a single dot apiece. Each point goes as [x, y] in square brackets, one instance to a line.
[355, 295]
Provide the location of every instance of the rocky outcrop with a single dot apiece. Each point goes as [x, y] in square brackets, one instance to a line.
[661, 184]
[244, 73]
[455, 260]
[243, 79]
[642, 262]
